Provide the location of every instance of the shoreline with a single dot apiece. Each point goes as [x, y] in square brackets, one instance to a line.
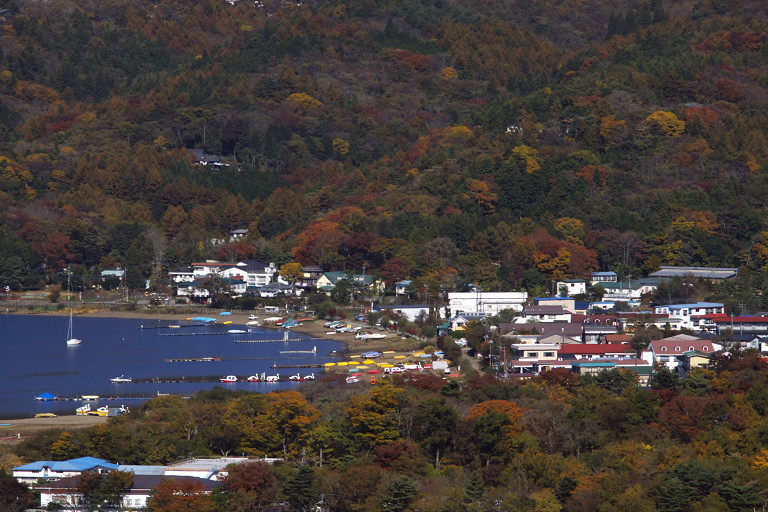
[313, 328]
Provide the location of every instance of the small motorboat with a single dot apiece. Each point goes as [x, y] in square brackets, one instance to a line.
[229, 378]
[83, 410]
[122, 379]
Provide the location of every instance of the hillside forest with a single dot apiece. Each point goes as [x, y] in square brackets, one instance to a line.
[504, 144]
[419, 443]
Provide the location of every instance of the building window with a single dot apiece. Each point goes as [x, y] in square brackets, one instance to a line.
[677, 349]
[663, 349]
[706, 348]
[549, 354]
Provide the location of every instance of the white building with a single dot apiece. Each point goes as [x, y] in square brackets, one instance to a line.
[685, 313]
[57, 469]
[488, 303]
[572, 287]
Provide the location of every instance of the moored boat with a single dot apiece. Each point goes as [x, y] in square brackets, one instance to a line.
[71, 340]
[229, 378]
[83, 410]
[120, 380]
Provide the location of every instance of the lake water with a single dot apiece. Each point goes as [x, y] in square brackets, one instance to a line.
[35, 359]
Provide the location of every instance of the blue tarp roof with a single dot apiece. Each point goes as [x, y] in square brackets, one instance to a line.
[81, 464]
[46, 396]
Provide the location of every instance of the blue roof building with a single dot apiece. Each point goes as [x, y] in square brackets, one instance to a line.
[58, 469]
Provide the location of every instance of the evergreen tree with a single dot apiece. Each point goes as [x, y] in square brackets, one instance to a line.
[475, 488]
[300, 489]
[400, 493]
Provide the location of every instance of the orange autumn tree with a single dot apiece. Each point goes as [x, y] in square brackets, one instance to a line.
[497, 429]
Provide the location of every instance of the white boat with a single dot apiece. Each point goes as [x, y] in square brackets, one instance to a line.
[252, 323]
[236, 331]
[253, 378]
[71, 340]
[120, 380]
[84, 410]
[229, 378]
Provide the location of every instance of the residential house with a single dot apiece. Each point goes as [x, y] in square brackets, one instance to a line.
[275, 289]
[604, 277]
[401, 287]
[532, 359]
[627, 291]
[544, 314]
[691, 360]
[594, 366]
[720, 322]
[594, 332]
[328, 280]
[691, 316]
[237, 235]
[488, 303]
[411, 312]
[572, 287]
[254, 274]
[558, 339]
[711, 273]
[535, 332]
[601, 351]
[457, 321]
[668, 350]
[567, 303]
[311, 274]
[56, 470]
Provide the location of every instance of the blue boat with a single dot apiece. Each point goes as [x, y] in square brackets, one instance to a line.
[204, 320]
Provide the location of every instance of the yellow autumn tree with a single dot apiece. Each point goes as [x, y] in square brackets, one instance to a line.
[303, 101]
[666, 122]
[760, 461]
[449, 73]
[570, 229]
[529, 155]
[554, 267]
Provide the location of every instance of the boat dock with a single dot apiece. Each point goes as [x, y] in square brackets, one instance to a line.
[310, 365]
[79, 398]
[267, 341]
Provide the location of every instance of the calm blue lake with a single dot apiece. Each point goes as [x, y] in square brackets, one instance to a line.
[35, 359]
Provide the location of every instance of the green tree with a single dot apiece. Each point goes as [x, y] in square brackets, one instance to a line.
[300, 489]
[400, 493]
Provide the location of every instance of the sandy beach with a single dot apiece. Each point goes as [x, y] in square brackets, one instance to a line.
[13, 431]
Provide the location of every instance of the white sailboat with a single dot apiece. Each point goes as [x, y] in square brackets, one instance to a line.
[71, 340]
